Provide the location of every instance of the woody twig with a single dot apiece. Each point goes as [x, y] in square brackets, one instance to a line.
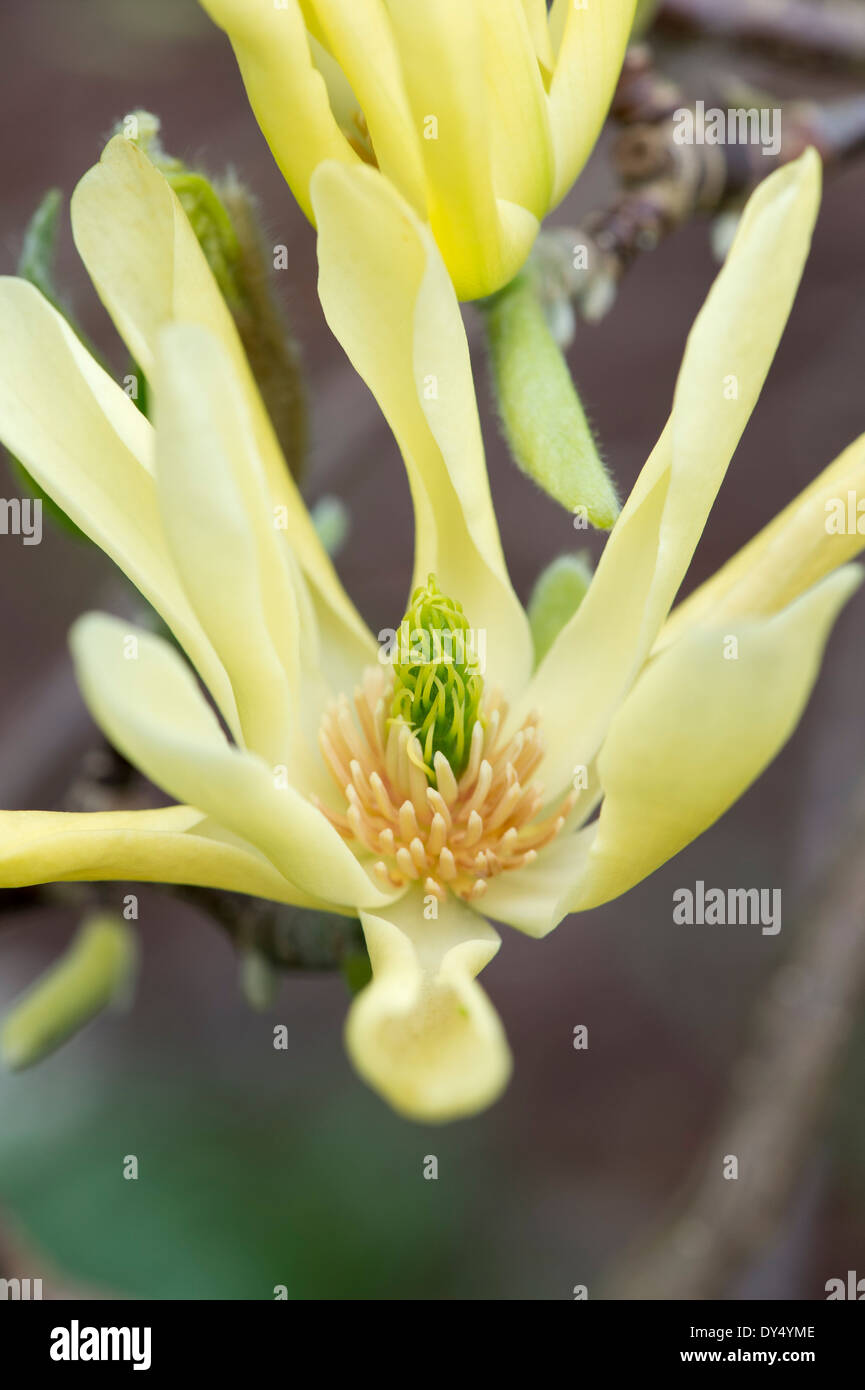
[285, 938]
[666, 181]
[720, 1224]
[828, 33]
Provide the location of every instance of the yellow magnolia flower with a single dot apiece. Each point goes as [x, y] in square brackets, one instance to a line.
[408, 793]
[481, 112]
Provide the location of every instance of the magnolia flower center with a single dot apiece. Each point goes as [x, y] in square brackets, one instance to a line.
[432, 788]
[438, 684]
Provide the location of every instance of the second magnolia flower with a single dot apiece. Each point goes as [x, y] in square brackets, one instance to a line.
[480, 112]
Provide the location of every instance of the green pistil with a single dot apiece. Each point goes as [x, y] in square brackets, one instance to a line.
[437, 682]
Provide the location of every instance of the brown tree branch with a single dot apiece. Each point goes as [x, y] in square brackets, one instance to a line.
[719, 1225]
[289, 938]
[666, 183]
[833, 33]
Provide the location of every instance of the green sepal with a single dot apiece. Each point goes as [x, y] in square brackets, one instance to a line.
[224, 217]
[356, 971]
[94, 972]
[541, 413]
[559, 590]
[259, 979]
[36, 265]
[332, 522]
[38, 250]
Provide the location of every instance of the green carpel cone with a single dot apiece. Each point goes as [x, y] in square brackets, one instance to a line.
[437, 682]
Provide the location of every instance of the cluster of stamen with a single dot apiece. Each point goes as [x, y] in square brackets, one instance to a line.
[456, 834]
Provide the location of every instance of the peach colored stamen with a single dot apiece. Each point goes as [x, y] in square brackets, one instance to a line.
[456, 835]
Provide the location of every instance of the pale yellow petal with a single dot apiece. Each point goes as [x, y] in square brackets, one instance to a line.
[797, 548]
[539, 27]
[400, 324]
[285, 90]
[591, 41]
[149, 270]
[529, 899]
[521, 146]
[598, 653]
[359, 36]
[146, 700]
[88, 446]
[423, 1033]
[170, 845]
[343, 101]
[441, 48]
[235, 564]
[702, 723]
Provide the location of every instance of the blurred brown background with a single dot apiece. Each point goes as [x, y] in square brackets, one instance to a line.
[261, 1167]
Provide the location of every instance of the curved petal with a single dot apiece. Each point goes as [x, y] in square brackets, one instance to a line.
[400, 324]
[521, 146]
[442, 48]
[423, 1034]
[149, 270]
[359, 35]
[285, 90]
[85, 442]
[698, 729]
[539, 28]
[597, 655]
[235, 565]
[591, 41]
[701, 724]
[797, 548]
[170, 845]
[145, 698]
[528, 899]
